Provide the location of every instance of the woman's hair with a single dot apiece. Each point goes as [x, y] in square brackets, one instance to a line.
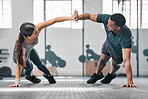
[26, 29]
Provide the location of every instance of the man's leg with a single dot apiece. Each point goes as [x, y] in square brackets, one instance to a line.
[115, 67]
[101, 64]
[111, 75]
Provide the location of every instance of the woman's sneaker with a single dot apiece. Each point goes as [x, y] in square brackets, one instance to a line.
[94, 78]
[109, 77]
[50, 79]
[33, 79]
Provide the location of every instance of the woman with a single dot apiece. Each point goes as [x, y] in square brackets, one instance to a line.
[25, 54]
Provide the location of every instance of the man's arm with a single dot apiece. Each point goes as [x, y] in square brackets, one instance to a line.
[127, 63]
[85, 16]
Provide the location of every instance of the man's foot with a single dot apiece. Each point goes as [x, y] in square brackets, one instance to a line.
[33, 79]
[50, 79]
[94, 78]
[109, 77]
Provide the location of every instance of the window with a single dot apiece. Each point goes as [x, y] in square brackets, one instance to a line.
[5, 13]
[57, 9]
[129, 9]
[144, 13]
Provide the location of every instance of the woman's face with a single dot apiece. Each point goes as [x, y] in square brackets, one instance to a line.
[35, 34]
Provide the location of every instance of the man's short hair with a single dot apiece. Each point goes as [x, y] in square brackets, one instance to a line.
[119, 19]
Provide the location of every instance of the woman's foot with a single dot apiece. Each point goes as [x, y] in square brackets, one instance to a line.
[33, 79]
[50, 79]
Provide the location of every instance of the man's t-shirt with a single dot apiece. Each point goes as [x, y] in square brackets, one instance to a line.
[116, 42]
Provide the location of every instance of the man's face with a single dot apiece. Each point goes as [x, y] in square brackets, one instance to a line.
[111, 26]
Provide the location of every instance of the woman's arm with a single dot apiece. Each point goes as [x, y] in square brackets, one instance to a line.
[18, 72]
[17, 78]
[47, 23]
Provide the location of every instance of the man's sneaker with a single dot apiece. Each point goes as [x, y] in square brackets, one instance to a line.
[94, 78]
[109, 77]
[33, 79]
[50, 79]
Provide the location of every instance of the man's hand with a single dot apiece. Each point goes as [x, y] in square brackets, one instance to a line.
[129, 84]
[15, 85]
[75, 16]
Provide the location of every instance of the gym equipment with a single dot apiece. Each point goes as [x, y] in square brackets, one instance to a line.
[5, 71]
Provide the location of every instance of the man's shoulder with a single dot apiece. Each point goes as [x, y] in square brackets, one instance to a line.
[126, 30]
[103, 18]
[104, 15]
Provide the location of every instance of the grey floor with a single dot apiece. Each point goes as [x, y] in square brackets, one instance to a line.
[73, 88]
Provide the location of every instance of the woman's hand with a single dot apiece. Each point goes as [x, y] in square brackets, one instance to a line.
[75, 16]
[15, 85]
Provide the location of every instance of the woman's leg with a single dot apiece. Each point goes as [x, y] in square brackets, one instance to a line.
[37, 61]
[28, 68]
[34, 57]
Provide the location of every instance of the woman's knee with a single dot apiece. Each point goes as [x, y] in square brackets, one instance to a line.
[29, 66]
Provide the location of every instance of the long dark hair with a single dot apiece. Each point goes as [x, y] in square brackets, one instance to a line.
[26, 29]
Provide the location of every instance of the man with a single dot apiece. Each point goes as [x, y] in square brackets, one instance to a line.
[117, 46]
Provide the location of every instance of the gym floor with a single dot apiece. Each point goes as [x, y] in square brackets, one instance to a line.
[73, 88]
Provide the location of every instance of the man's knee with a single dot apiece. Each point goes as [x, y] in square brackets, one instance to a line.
[102, 62]
[117, 66]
